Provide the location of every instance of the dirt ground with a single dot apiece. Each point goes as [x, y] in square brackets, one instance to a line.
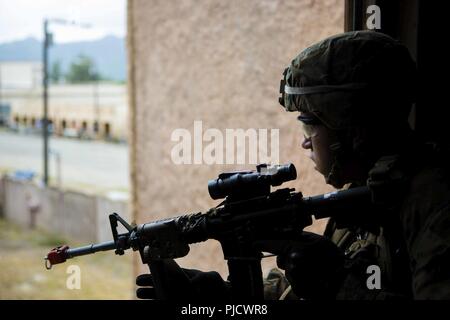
[23, 275]
[103, 275]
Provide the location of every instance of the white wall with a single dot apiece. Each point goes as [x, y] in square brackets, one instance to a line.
[20, 75]
[71, 214]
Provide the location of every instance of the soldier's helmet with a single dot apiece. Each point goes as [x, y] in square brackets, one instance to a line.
[352, 79]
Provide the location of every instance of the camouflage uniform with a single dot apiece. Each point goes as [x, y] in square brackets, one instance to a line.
[413, 253]
[333, 80]
[425, 221]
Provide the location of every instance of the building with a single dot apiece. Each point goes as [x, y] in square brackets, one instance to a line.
[20, 74]
[92, 110]
[219, 62]
[84, 111]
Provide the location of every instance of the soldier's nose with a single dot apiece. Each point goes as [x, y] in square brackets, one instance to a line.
[307, 144]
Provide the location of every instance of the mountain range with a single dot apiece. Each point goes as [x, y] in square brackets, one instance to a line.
[108, 54]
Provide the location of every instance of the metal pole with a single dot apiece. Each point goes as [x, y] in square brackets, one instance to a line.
[58, 169]
[45, 99]
[47, 43]
[96, 103]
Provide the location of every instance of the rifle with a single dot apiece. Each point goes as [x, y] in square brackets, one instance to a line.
[249, 214]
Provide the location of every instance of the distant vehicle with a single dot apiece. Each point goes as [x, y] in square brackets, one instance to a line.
[5, 111]
[23, 175]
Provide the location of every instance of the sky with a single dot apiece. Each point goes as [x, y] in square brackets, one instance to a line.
[20, 19]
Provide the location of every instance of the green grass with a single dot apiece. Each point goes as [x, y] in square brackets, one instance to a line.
[23, 275]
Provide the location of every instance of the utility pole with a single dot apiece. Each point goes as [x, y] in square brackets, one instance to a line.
[96, 102]
[48, 41]
[47, 44]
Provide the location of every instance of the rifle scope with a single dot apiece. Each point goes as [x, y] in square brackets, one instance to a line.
[240, 184]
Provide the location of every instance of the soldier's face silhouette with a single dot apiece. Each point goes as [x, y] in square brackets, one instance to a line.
[317, 139]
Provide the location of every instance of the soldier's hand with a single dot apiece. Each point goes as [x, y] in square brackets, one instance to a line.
[148, 291]
[191, 285]
[313, 265]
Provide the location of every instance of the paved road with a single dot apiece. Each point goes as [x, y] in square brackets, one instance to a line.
[85, 165]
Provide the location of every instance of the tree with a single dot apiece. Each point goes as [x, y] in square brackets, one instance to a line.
[56, 72]
[82, 70]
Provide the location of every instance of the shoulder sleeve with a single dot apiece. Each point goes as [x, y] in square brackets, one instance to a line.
[425, 219]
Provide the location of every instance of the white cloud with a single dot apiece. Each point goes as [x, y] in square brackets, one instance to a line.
[24, 18]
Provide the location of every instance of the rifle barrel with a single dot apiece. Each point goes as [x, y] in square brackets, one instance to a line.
[92, 248]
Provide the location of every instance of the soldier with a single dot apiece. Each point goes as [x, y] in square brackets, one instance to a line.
[354, 92]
